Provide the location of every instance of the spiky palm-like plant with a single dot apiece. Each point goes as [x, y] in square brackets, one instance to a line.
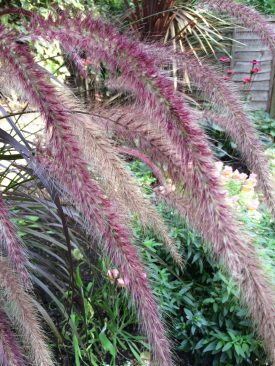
[175, 22]
[84, 166]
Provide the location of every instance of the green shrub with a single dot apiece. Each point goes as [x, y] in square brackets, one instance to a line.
[264, 123]
[265, 6]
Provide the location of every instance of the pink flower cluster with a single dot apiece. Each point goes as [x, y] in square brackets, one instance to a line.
[254, 70]
[226, 60]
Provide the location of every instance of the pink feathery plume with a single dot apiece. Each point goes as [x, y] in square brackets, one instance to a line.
[11, 246]
[79, 62]
[247, 17]
[10, 352]
[72, 173]
[23, 314]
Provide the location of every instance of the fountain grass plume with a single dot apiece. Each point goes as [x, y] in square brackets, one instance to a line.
[21, 310]
[246, 16]
[12, 247]
[10, 352]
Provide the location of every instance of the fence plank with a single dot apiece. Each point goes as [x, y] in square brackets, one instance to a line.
[262, 90]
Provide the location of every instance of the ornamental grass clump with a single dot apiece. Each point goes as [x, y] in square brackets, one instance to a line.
[86, 168]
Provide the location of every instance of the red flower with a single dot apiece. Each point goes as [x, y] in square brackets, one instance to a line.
[224, 59]
[255, 62]
[230, 72]
[226, 77]
[247, 80]
[255, 70]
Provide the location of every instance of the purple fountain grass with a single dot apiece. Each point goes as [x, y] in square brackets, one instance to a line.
[71, 171]
[257, 160]
[11, 246]
[245, 141]
[77, 61]
[21, 310]
[10, 352]
[203, 202]
[156, 94]
[247, 17]
[162, 97]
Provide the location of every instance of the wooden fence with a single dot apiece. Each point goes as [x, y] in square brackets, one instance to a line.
[261, 93]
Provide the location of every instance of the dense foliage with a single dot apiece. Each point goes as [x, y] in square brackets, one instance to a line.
[265, 6]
